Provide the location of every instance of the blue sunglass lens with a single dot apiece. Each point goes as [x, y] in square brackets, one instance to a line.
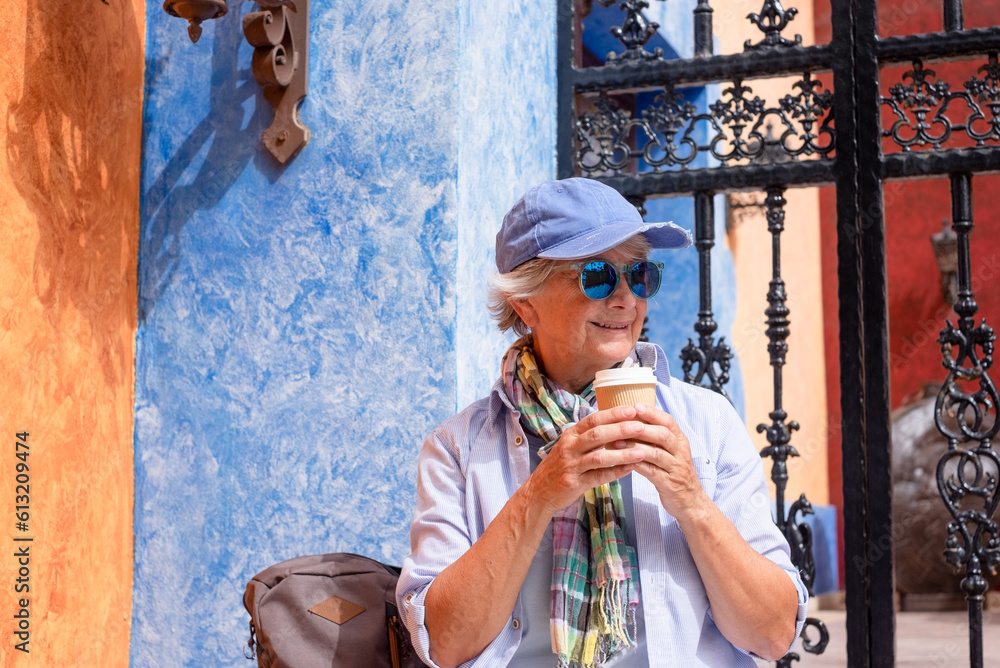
[644, 279]
[598, 279]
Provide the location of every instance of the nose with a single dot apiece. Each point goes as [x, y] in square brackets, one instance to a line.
[622, 296]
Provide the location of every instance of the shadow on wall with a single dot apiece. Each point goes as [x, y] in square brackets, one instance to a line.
[60, 132]
[232, 140]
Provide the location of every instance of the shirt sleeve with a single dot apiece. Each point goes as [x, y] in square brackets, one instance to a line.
[741, 494]
[439, 535]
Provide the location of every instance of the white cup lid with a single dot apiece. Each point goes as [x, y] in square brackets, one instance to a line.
[625, 376]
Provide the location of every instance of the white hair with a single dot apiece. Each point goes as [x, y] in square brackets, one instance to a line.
[528, 279]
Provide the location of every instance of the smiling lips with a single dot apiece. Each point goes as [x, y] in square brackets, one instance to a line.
[612, 325]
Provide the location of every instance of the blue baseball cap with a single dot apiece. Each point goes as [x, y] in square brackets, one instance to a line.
[574, 219]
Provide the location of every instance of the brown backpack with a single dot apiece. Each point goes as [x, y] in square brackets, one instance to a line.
[327, 611]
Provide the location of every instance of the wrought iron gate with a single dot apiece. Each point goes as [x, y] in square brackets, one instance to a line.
[852, 137]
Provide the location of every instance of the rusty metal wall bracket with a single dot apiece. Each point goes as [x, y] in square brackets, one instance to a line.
[279, 34]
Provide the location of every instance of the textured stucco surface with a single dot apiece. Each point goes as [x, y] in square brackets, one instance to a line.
[71, 85]
[507, 131]
[273, 417]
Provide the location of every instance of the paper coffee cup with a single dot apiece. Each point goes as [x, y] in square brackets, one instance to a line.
[625, 387]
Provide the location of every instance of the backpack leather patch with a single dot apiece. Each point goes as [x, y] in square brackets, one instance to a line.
[338, 610]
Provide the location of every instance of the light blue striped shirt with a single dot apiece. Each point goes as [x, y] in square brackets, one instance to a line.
[472, 464]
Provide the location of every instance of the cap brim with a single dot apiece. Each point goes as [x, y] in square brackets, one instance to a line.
[659, 235]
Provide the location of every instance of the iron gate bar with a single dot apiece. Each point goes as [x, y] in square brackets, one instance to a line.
[703, 29]
[923, 164]
[565, 93]
[701, 71]
[724, 179]
[895, 166]
[710, 358]
[938, 47]
[849, 290]
[874, 305]
[953, 15]
[779, 432]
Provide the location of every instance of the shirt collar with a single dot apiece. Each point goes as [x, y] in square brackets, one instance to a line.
[499, 399]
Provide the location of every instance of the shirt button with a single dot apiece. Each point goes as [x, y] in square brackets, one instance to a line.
[517, 623]
[409, 597]
[518, 441]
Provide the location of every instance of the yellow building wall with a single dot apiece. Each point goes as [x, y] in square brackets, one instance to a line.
[804, 374]
[71, 80]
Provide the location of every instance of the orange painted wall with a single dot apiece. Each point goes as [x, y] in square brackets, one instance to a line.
[70, 98]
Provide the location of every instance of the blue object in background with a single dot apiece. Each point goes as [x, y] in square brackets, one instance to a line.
[824, 526]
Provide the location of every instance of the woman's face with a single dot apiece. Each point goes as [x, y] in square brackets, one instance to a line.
[575, 336]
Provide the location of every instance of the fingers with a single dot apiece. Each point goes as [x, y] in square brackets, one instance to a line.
[607, 416]
[611, 457]
[663, 431]
[604, 428]
[599, 477]
[565, 474]
[652, 415]
[618, 423]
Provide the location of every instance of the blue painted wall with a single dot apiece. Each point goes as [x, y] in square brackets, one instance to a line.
[302, 329]
[506, 145]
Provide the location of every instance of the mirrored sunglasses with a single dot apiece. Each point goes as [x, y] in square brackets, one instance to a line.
[599, 278]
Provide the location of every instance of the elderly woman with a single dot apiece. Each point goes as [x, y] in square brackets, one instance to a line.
[549, 533]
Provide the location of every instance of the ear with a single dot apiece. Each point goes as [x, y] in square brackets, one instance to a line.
[527, 311]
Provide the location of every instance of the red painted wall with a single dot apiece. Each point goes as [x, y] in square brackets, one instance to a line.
[914, 212]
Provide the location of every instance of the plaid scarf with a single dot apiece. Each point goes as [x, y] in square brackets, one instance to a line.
[593, 570]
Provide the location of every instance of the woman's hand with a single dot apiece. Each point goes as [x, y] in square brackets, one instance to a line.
[596, 450]
[667, 463]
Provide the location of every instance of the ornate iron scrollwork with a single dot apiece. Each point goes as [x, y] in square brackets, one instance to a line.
[779, 432]
[929, 101]
[711, 358]
[966, 411]
[667, 120]
[633, 33]
[740, 128]
[708, 358]
[280, 35]
[603, 138]
[772, 20]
